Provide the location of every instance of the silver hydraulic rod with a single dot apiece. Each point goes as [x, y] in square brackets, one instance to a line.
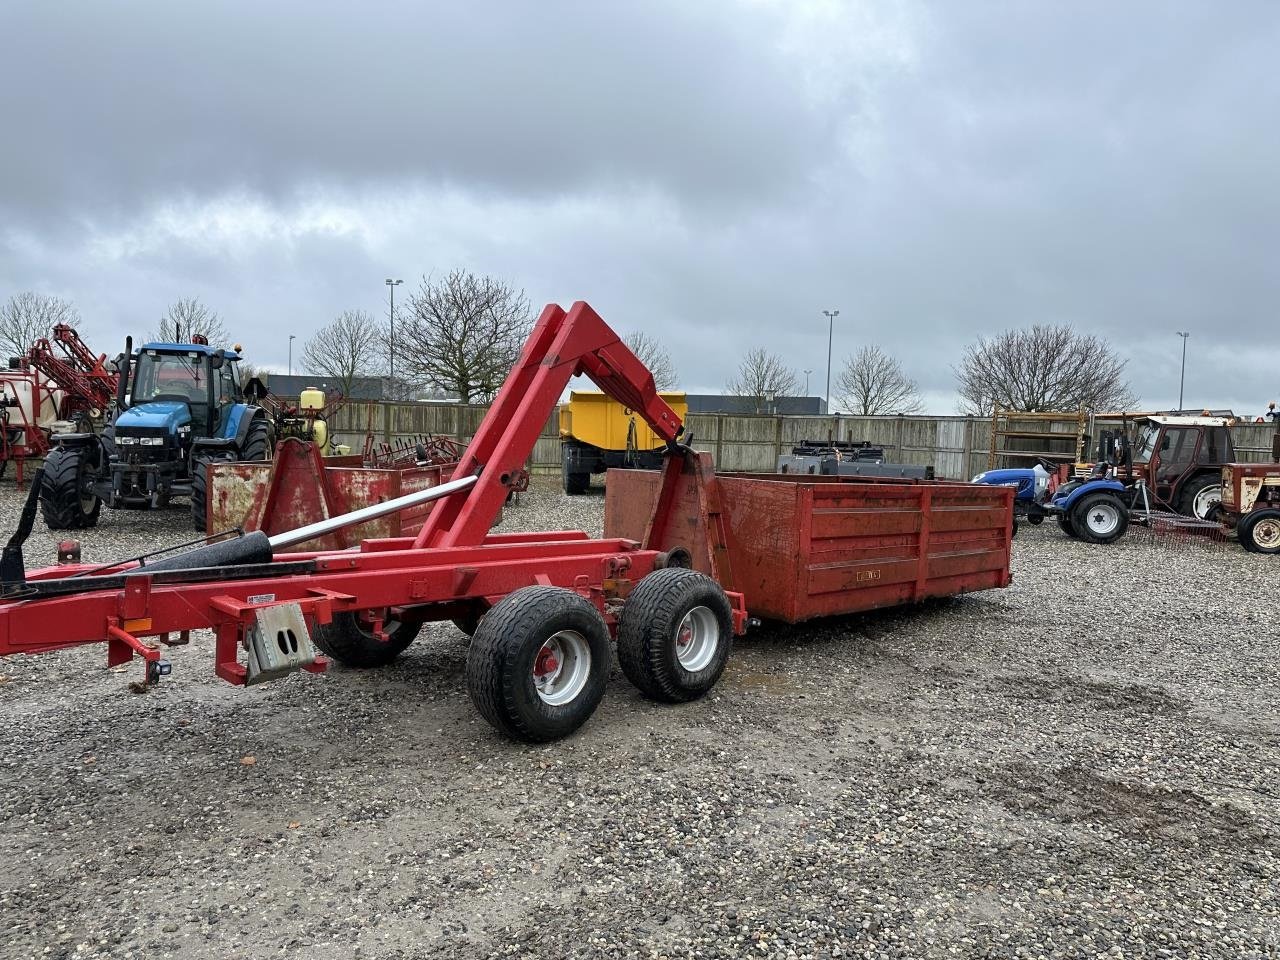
[372, 512]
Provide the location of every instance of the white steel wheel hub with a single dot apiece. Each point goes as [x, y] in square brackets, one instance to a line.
[1266, 533]
[561, 668]
[1206, 500]
[1103, 519]
[697, 639]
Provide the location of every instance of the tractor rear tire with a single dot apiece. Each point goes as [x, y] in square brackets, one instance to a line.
[675, 634]
[1259, 532]
[65, 502]
[538, 663]
[1201, 498]
[1100, 518]
[257, 444]
[349, 641]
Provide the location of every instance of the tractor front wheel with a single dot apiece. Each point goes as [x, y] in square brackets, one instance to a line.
[257, 442]
[1259, 532]
[538, 663]
[1100, 518]
[358, 640]
[67, 500]
[199, 492]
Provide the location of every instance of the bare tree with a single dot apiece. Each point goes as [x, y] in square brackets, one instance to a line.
[186, 318]
[1042, 368]
[762, 376]
[26, 317]
[872, 383]
[463, 332]
[353, 345]
[650, 351]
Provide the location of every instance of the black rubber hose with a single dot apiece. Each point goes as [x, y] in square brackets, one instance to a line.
[253, 547]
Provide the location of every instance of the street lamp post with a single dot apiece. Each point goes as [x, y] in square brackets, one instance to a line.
[831, 326]
[391, 286]
[292, 337]
[806, 382]
[1182, 379]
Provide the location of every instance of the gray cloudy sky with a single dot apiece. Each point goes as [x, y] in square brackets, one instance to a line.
[715, 172]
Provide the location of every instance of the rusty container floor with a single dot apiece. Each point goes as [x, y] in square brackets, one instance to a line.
[799, 548]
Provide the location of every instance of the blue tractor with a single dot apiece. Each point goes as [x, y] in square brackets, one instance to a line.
[1031, 489]
[1095, 509]
[179, 407]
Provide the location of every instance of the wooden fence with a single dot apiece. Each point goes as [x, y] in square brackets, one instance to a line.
[956, 447]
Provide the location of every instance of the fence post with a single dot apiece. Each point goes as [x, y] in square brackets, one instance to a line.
[968, 448]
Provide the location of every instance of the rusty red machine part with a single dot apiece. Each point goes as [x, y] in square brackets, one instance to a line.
[541, 606]
[298, 486]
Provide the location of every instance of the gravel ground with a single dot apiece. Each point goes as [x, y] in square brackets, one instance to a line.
[1082, 765]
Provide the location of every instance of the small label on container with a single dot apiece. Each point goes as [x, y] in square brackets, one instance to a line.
[864, 575]
[262, 598]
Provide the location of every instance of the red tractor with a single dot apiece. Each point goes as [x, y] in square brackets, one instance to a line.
[1251, 499]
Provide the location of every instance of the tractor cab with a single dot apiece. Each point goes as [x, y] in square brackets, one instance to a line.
[183, 389]
[1181, 460]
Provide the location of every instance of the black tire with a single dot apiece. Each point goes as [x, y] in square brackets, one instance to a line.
[199, 493]
[1100, 518]
[512, 667]
[352, 644]
[257, 444]
[65, 501]
[469, 623]
[574, 483]
[1065, 523]
[1035, 519]
[1201, 489]
[1259, 532]
[665, 608]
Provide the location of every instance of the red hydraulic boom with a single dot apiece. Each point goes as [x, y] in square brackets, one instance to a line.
[87, 384]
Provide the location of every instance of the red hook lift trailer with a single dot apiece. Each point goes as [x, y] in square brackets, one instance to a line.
[542, 608]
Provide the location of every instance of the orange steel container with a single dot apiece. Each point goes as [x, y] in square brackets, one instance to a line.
[799, 548]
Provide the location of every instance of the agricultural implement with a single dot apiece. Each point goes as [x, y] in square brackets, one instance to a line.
[673, 581]
[59, 386]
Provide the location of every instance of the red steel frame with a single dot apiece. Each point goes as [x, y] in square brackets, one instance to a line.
[453, 565]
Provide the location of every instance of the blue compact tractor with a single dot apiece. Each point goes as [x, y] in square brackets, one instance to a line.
[179, 407]
[1031, 487]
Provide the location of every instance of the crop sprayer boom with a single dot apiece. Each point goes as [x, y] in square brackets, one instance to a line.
[688, 554]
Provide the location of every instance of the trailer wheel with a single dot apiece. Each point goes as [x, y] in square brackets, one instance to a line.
[675, 634]
[1201, 498]
[538, 663]
[1259, 532]
[349, 639]
[1100, 518]
[67, 500]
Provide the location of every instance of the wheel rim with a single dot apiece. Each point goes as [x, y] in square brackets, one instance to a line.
[561, 668]
[1266, 533]
[1103, 519]
[697, 639]
[1205, 501]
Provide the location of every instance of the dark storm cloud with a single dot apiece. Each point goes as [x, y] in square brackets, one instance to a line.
[119, 103]
[715, 173]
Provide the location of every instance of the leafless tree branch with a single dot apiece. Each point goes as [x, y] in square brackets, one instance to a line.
[463, 332]
[26, 317]
[352, 346]
[1042, 368]
[186, 318]
[762, 375]
[873, 383]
